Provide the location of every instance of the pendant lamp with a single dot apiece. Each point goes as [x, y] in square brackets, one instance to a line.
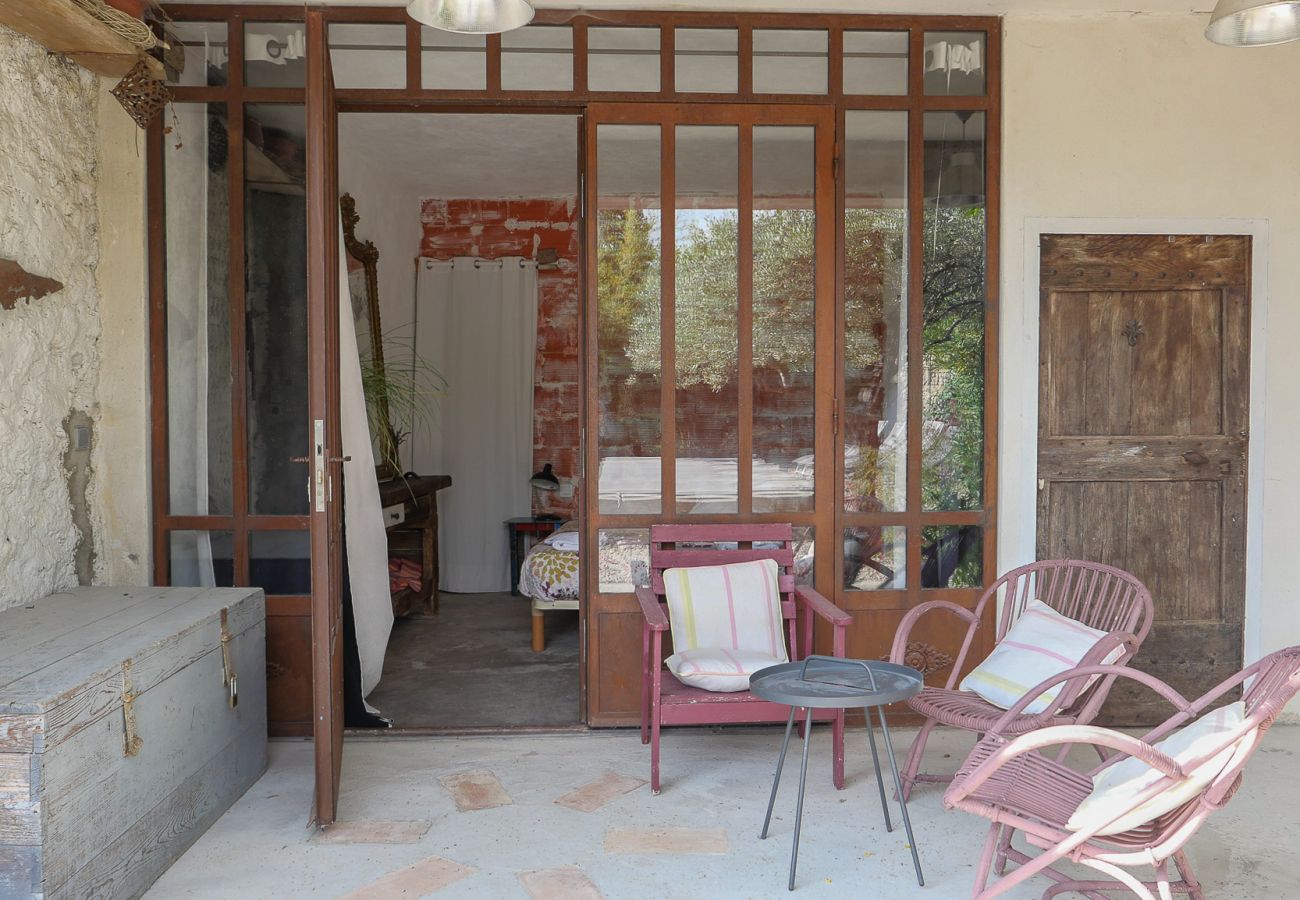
[1254, 23]
[471, 16]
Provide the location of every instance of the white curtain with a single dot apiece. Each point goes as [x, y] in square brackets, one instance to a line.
[363, 517]
[476, 323]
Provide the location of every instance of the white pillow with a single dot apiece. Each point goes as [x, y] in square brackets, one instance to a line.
[1041, 643]
[716, 669]
[1114, 787]
[736, 606]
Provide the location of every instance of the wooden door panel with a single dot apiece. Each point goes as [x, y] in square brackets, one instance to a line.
[1142, 436]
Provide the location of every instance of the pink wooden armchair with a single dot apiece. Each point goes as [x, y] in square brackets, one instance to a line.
[664, 699]
[1019, 789]
[1097, 595]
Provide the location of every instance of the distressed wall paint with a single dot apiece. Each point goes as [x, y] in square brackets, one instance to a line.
[494, 228]
[49, 353]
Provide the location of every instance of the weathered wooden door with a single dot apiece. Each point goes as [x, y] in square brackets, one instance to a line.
[1142, 434]
[326, 451]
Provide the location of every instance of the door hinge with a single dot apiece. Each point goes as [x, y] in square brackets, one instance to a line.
[835, 416]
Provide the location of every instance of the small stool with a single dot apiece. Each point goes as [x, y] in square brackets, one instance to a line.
[821, 682]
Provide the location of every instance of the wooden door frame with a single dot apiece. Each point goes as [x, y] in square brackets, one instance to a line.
[1018, 512]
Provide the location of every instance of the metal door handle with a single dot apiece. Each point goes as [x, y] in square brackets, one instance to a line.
[300, 459]
[340, 459]
[1195, 458]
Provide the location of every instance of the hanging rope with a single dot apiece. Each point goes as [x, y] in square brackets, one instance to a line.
[123, 24]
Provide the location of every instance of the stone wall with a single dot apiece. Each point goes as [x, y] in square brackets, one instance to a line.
[49, 348]
[495, 228]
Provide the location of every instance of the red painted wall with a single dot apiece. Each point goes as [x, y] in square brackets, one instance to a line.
[494, 228]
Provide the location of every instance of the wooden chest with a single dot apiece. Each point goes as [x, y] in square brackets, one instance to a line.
[130, 719]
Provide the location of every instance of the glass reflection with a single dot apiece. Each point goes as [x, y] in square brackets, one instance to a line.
[952, 556]
[784, 242]
[623, 559]
[628, 307]
[874, 413]
[875, 558]
[952, 453]
[706, 311]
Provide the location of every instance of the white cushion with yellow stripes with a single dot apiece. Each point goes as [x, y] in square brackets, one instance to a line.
[1041, 644]
[733, 609]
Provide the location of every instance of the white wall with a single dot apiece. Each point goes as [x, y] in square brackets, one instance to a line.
[1138, 117]
[52, 349]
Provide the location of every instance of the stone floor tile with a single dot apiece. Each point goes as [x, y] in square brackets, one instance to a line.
[593, 795]
[568, 883]
[475, 790]
[372, 831]
[418, 880]
[666, 840]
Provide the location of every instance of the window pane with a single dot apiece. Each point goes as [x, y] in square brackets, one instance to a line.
[805, 546]
[954, 63]
[624, 555]
[623, 59]
[275, 54]
[952, 556]
[275, 296]
[451, 61]
[537, 58]
[368, 56]
[789, 62]
[875, 62]
[874, 413]
[952, 456]
[197, 203]
[207, 57]
[875, 558]
[280, 561]
[628, 307]
[706, 60]
[706, 310]
[201, 558]
[784, 314]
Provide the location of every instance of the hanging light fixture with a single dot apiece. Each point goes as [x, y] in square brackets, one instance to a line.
[1254, 23]
[471, 16]
[961, 180]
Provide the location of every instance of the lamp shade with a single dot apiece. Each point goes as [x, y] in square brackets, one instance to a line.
[1254, 23]
[545, 480]
[472, 16]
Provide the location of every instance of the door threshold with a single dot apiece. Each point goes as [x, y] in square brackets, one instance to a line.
[465, 730]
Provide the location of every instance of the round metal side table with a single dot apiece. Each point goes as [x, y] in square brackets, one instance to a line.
[822, 682]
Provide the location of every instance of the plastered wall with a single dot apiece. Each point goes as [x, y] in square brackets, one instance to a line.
[1136, 118]
[52, 349]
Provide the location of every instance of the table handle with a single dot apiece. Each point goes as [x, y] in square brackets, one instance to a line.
[803, 673]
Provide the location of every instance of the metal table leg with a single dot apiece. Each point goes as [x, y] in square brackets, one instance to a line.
[776, 779]
[875, 761]
[798, 810]
[902, 802]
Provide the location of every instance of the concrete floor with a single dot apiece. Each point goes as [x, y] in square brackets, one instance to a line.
[715, 783]
[473, 664]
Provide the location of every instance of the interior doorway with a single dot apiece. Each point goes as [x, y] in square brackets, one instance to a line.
[471, 225]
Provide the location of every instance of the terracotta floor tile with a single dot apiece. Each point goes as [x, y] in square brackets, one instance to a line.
[591, 797]
[559, 884]
[475, 790]
[418, 880]
[372, 831]
[666, 840]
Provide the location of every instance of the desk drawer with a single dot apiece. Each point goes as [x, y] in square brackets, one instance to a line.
[394, 515]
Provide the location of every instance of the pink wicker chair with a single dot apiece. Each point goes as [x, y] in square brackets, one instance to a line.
[664, 699]
[1097, 595]
[1019, 789]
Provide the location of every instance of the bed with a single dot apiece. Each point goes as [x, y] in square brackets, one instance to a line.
[549, 576]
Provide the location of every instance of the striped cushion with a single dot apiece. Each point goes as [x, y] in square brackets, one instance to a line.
[1041, 644]
[716, 669]
[1218, 738]
[734, 607]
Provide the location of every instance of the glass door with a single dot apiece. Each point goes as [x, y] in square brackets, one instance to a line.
[710, 348]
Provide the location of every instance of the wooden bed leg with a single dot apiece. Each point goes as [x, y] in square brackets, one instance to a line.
[539, 631]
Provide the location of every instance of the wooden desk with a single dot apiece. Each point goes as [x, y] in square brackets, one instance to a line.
[411, 519]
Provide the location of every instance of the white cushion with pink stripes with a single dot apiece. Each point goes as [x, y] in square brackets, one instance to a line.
[1041, 643]
[726, 623]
